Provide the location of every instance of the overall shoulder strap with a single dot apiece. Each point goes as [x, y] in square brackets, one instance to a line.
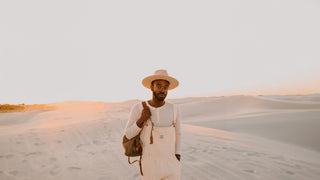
[174, 115]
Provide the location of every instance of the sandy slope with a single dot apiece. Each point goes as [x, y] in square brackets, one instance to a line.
[285, 119]
[216, 154]
[82, 140]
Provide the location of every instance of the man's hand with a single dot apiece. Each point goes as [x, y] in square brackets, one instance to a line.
[145, 115]
[178, 156]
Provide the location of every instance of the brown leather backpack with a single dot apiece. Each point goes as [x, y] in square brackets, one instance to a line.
[132, 147]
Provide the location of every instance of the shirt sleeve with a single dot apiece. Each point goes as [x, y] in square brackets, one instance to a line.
[178, 130]
[132, 128]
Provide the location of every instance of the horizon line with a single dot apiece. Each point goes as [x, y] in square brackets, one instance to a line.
[192, 96]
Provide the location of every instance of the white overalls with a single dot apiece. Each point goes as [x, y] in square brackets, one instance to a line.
[158, 159]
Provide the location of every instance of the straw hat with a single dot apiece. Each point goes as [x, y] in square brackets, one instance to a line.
[160, 74]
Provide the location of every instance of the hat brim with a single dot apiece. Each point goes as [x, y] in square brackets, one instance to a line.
[173, 83]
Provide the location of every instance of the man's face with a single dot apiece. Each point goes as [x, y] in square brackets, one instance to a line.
[160, 89]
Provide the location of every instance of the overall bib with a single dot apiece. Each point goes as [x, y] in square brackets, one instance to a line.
[158, 159]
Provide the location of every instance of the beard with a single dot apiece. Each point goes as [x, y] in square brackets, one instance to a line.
[158, 97]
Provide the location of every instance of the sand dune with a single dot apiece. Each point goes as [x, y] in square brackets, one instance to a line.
[236, 105]
[285, 120]
[228, 138]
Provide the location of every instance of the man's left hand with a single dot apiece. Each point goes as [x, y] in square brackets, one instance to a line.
[178, 156]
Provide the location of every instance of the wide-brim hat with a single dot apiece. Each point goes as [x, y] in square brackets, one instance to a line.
[160, 74]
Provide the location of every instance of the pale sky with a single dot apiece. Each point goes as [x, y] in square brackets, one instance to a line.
[61, 50]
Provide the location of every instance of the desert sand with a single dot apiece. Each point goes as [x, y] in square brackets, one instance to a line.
[225, 138]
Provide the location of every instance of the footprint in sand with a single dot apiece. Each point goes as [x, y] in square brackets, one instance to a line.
[98, 142]
[14, 173]
[81, 147]
[58, 141]
[53, 159]
[33, 153]
[256, 154]
[74, 168]
[54, 171]
[290, 172]
[277, 157]
[297, 166]
[250, 171]
[39, 144]
[9, 156]
[91, 153]
[105, 151]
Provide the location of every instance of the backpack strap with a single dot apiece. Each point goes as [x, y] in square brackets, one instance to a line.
[133, 161]
[151, 142]
[139, 164]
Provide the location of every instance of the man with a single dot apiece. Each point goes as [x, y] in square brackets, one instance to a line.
[160, 136]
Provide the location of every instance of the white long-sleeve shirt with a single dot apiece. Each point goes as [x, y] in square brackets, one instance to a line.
[161, 117]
